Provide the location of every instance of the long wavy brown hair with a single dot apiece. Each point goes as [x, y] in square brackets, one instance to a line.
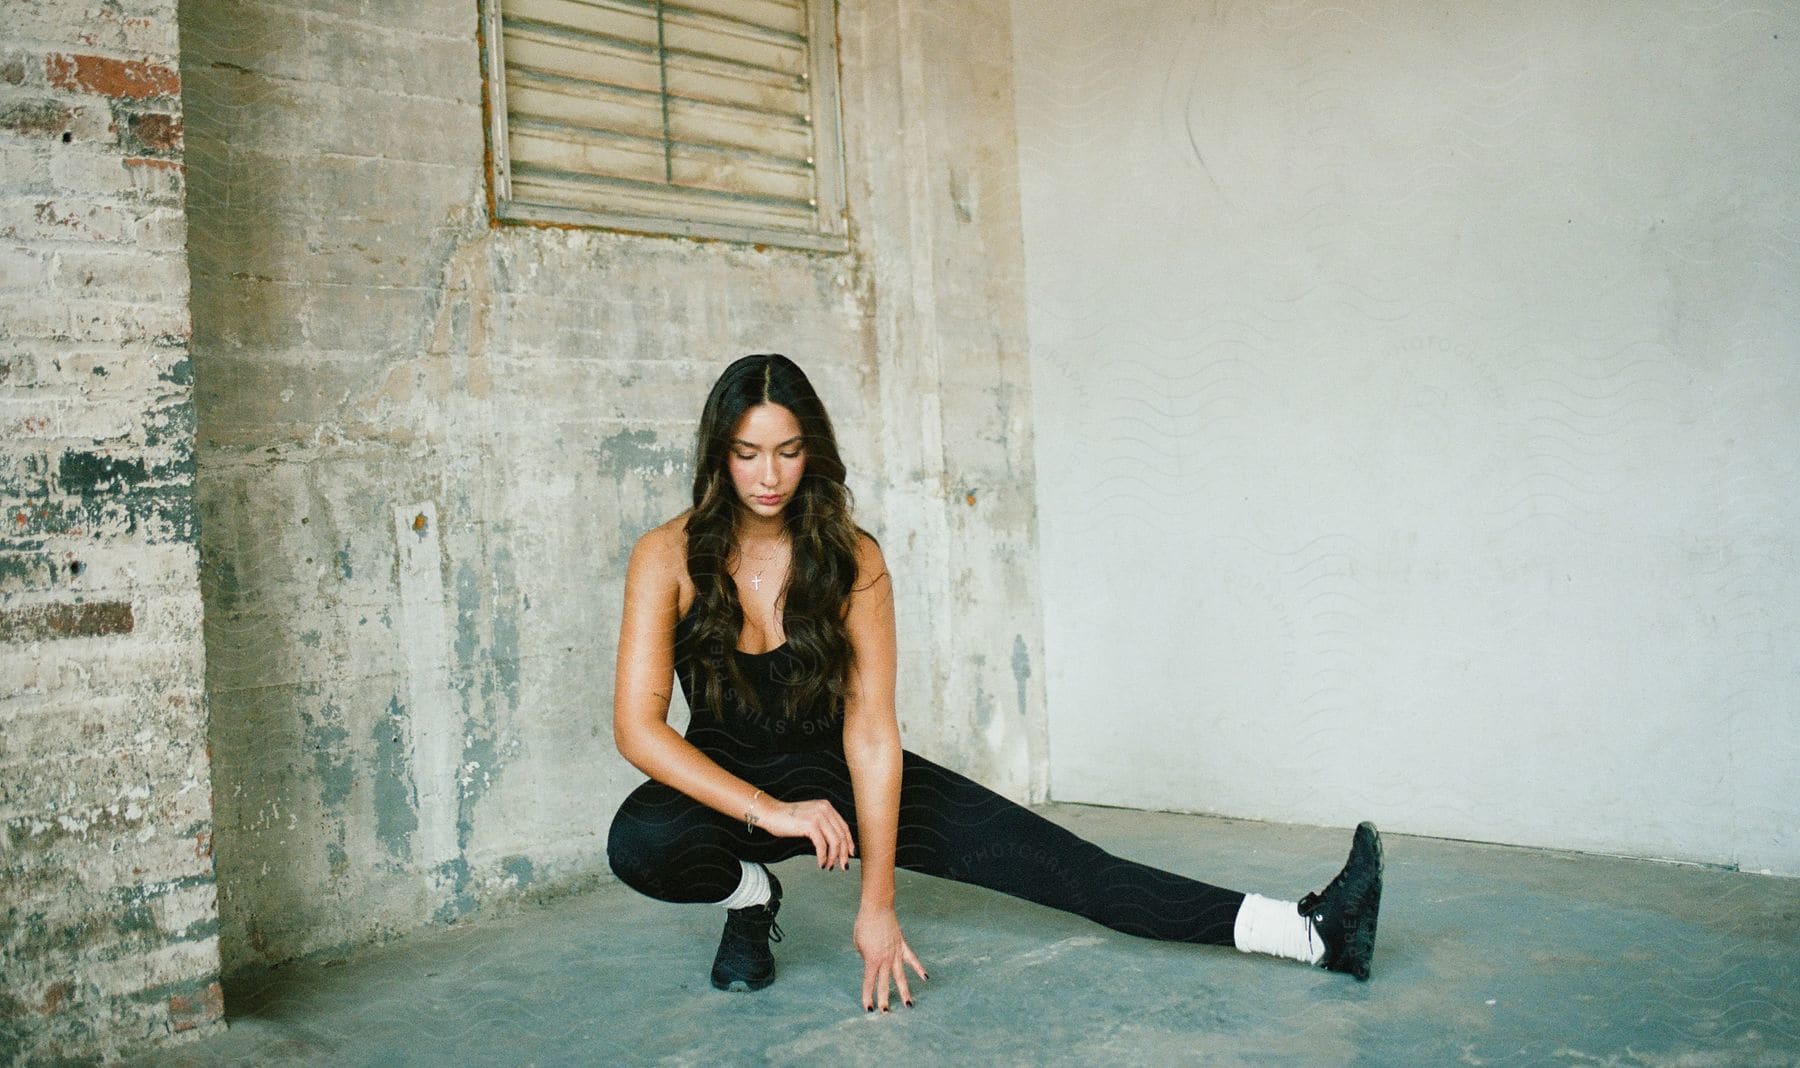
[817, 520]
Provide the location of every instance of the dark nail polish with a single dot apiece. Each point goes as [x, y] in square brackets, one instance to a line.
[909, 1004]
[868, 1008]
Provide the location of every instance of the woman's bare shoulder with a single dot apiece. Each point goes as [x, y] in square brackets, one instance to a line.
[871, 566]
[656, 578]
[663, 548]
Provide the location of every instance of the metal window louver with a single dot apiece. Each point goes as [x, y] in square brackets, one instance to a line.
[707, 118]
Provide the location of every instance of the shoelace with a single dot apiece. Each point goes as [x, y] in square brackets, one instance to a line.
[773, 933]
[1314, 900]
[1311, 901]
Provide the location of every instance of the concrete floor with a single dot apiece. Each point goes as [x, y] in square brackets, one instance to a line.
[1487, 955]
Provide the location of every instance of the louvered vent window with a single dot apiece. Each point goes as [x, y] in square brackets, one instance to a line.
[708, 118]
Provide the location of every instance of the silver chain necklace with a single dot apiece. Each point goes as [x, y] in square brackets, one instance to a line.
[756, 576]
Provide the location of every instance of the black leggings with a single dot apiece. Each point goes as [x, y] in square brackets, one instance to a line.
[672, 848]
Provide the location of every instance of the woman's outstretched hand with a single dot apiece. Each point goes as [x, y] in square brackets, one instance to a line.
[885, 957]
[816, 820]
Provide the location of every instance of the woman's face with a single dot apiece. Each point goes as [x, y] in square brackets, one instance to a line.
[766, 459]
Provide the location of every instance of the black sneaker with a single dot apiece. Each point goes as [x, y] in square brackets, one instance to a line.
[1345, 911]
[744, 961]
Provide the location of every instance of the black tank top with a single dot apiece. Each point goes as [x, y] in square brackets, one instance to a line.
[742, 729]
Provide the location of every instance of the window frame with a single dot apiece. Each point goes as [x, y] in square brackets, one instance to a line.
[830, 229]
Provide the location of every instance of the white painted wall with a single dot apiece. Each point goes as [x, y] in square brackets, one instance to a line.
[1417, 397]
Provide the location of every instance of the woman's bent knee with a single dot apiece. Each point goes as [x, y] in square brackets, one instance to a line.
[636, 850]
[666, 846]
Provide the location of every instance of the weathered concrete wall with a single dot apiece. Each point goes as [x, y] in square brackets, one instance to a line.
[930, 121]
[108, 923]
[426, 447]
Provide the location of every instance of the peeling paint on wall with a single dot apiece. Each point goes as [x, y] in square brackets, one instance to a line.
[520, 868]
[639, 452]
[479, 422]
[424, 637]
[396, 804]
[331, 761]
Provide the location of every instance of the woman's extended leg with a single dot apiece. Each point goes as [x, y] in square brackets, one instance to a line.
[953, 827]
[667, 846]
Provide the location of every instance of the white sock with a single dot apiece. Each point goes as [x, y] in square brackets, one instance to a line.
[1265, 925]
[753, 889]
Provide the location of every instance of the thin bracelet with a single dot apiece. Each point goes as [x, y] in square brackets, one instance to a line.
[750, 813]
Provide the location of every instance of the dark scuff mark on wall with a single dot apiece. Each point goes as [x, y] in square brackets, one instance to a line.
[135, 918]
[635, 450]
[88, 474]
[170, 424]
[984, 701]
[396, 804]
[456, 873]
[331, 758]
[505, 660]
[179, 373]
[1021, 667]
[520, 869]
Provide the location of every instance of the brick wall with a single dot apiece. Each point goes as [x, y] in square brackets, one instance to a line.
[108, 918]
[424, 448]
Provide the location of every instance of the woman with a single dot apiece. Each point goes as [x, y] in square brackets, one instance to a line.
[777, 613]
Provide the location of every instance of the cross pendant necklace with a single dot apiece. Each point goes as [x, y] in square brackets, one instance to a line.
[756, 577]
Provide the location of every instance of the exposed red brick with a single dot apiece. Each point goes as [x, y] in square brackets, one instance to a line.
[187, 1013]
[153, 163]
[157, 132]
[39, 621]
[56, 995]
[121, 79]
